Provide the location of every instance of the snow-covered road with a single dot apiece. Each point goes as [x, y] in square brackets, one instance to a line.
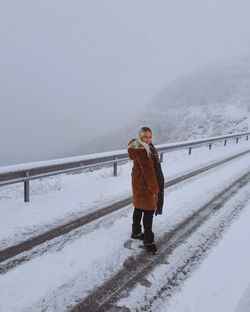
[60, 199]
[221, 283]
[217, 286]
[67, 272]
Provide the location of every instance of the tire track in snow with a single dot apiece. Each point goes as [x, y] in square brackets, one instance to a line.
[195, 248]
[136, 268]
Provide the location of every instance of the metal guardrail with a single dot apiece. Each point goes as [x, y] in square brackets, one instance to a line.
[31, 171]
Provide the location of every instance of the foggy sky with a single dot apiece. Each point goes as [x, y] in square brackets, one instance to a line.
[70, 70]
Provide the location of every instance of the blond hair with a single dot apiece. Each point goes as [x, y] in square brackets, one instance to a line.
[138, 142]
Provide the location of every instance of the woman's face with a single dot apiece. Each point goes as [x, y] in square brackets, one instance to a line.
[147, 137]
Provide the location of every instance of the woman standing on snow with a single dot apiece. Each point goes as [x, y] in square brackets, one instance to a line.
[147, 186]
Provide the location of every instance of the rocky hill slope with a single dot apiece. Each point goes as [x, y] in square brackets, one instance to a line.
[212, 102]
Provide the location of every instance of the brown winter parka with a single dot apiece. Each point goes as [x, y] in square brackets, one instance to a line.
[144, 181]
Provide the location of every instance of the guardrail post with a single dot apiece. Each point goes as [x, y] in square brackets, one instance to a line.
[210, 146]
[27, 189]
[161, 157]
[247, 138]
[115, 167]
[237, 140]
[189, 150]
[225, 142]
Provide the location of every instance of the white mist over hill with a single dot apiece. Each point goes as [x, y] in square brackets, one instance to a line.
[72, 71]
[212, 102]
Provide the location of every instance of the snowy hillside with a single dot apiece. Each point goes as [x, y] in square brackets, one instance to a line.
[212, 102]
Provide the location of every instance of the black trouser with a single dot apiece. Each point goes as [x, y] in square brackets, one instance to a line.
[147, 223]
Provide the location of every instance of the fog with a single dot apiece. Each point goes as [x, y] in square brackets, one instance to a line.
[72, 70]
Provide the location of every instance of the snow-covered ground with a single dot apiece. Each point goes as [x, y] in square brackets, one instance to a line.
[222, 282]
[59, 199]
[78, 262]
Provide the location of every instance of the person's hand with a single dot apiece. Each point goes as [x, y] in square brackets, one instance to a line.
[158, 210]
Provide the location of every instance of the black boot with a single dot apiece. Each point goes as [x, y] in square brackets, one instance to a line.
[149, 242]
[150, 247]
[138, 236]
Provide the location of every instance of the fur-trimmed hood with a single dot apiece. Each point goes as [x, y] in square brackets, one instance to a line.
[135, 146]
